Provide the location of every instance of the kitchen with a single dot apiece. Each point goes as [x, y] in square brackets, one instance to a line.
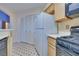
[67, 23]
[40, 28]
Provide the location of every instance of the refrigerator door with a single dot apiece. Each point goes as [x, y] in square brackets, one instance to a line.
[44, 43]
[41, 41]
[46, 21]
[38, 40]
[49, 23]
[39, 22]
[44, 25]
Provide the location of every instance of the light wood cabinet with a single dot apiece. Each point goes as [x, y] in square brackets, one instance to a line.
[49, 9]
[9, 44]
[51, 46]
[60, 12]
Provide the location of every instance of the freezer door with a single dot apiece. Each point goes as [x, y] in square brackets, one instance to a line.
[46, 21]
[49, 23]
[39, 21]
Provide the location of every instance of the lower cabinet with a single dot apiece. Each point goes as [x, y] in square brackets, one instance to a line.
[9, 45]
[51, 46]
[3, 46]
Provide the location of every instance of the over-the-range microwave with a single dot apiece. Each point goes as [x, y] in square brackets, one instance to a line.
[72, 10]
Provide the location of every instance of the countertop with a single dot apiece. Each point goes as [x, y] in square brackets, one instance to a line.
[6, 30]
[60, 34]
[3, 35]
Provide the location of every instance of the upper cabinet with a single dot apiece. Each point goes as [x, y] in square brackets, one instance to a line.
[72, 10]
[4, 20]
[49, 9]
[57, 9]
[4, 17]
[60, 12]
[63, 11]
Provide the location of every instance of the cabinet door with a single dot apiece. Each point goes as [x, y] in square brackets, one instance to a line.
[52, 41]
[26, 29]
[29, 29]
[51, 50]
[50, 9]
[59, 11]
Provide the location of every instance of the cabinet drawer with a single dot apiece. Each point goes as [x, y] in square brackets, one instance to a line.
[51, 50]
[52, 41]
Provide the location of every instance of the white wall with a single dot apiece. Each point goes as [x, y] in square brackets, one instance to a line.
[73, 22]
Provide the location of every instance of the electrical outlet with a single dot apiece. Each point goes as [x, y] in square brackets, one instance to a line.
[67, 26]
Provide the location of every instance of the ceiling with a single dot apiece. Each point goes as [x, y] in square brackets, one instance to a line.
[24, 7]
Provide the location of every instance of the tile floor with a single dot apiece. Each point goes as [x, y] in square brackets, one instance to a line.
[23, 49]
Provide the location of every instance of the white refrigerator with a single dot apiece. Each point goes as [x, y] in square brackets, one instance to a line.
[44, 25]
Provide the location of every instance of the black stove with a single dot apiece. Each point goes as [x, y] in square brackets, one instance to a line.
[70, 43]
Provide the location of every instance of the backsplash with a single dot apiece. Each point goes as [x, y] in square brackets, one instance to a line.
[65, 25]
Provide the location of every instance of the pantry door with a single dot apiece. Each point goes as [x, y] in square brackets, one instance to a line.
[27, 29]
